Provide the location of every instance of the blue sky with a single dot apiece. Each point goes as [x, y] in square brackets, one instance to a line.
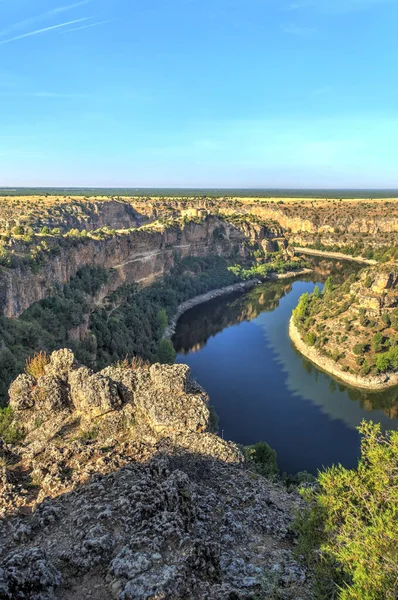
[231, 93]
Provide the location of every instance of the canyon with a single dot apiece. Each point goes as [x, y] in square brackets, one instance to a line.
[138, 255]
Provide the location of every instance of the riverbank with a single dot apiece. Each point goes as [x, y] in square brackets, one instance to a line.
[371, 383]
[185, 306]
[337, 255]
[237, 287]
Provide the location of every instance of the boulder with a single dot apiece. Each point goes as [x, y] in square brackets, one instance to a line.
[20, 393]
[93, 393]
[171, 402]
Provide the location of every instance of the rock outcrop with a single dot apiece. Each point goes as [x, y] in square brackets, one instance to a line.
[120, 490]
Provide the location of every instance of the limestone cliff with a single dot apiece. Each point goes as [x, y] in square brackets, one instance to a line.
[120, 490]
[139, 255]
[339, 223]
[351, 329]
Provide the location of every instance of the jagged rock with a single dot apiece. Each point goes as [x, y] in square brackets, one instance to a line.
[171, 402]
[148, 505]
[62, 362]
[126, 380]
[92, 392]
[20, 393]
[28, 574]
[51, 394]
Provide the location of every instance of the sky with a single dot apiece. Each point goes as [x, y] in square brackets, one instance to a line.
[199, 93]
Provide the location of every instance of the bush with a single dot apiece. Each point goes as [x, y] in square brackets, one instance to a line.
[349, 532]
[166, 353]
[359, 349]
[9, 431]
[378, 342]
[264, 459]
[36, 365]
[310, 338]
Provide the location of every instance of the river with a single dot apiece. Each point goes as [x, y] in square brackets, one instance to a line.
[262, 388]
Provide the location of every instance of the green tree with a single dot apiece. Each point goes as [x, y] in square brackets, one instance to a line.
[317, 292]
[162, 319]
[328, 285]
[166, 353]
[349, 533]
[264, 459]
[378, 342]
[383, 363]
[359, 349]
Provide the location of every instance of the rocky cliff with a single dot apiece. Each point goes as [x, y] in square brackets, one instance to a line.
[139, 255]
[120, 490]
[66, 214]
[351, 329]
[340, 223]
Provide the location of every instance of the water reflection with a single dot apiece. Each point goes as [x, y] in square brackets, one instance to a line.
[206, 320]
[263, 389]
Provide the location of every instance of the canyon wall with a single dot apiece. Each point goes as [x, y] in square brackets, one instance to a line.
[140, 255]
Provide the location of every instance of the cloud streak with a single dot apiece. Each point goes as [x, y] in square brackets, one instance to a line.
[43, 30]
[42, 17]
[90, 25]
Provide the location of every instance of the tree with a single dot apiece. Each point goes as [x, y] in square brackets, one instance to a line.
[166, 353]
[162, 319]
[317, 292]
[45, 230]
[329, 285]
[353, 519]
[264, 459]
[378, 342]
[383, 363]
[359, 349]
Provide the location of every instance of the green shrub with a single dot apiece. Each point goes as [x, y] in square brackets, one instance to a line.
[378, 342]
[359, 349]
[349, 533]
[166, 353]
[9, 431]
[310, 338]
[264, 459]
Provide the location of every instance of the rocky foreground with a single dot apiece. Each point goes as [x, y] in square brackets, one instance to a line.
[119, 490]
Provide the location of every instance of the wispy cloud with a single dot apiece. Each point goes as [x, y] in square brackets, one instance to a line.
[90, 25]
[337, 6]
[43, 30]
[31, 21]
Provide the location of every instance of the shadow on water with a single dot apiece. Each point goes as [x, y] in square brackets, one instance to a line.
[239, 349]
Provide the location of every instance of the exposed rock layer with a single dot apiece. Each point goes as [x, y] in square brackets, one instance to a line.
[134, 256]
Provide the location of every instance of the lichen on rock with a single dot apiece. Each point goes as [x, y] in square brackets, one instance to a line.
[120, 491]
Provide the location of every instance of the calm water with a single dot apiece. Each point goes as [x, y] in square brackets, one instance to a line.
[262, 389]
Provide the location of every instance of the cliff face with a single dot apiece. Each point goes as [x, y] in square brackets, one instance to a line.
[377, 290]
[94, 215]
[121, 491]
[135, 256]
[351, 330]
[332, 217]
[74, 214]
